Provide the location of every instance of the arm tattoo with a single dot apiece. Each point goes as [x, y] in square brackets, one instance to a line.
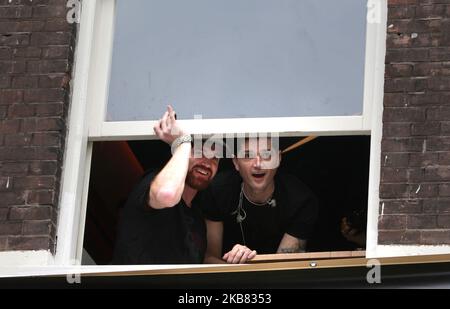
[292, 250]
[299, 248]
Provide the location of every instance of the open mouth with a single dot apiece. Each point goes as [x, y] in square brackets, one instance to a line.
[204, 171]
[259, 175]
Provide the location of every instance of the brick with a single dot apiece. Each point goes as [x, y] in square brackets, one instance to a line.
[13, 168]
[49, 124]
[398, 237]
[444, 190]
[410, 114]
[438, 144]
[43, 95]
[46, 139]
[403, 145]
[14, 40]
[435, 237]
[48, 66]
[442, 205]
[48, 153]
[43, 168]
[21, 111]
[27, 52]
[12, 198]
[30, 213]
[430, 99]
[443, 222]
[55, 217]
[395, 160]
[10, 126]
[415, 26]
[393, 175]
[30, 153]
[395, 40]
[29, 125]
[25, 82]
[393, 222]
[10, 96]
[421, 222]
[428, 11]
[56, 52]
[5, 53]
[438, 113]
[396, 100]
[19, 153]
[3, 243]
[400, 2]
[6, 183]
[17, 139]
[429, 207]
[441, 83]
[397, 129]
[407, 55]
[48, 12]
[3, 214]
[439, 54]
[415, 175]
[428, 40]
[402, 207]
[6, 67]
[21, 26]
[15, 12]
[49, 109]
[445, 128]
[28, 243]
[40, 198]
[444, 158]
[18, 67]
[437, 173]
[54, 81]
[34, 182]
[58, 25]
[5, 81]
[3, 112]
[50, 38]
[425, 128]
[432, 69]
[10, 228]
[393, 190]
[423, 190]
[36, 228]
[405, 84]
[401, 12]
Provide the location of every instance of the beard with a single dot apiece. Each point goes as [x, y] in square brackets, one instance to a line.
[195, 182]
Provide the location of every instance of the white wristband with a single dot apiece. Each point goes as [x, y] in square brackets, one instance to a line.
[180, 140]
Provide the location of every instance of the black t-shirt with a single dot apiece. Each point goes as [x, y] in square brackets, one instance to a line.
[263, 228]
[175, 235]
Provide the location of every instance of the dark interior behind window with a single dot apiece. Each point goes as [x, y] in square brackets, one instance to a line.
[336, 168]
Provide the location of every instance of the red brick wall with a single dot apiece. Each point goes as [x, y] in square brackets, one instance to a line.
[415, 173]
[36, 44]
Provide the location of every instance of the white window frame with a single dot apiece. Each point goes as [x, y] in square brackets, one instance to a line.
[99, 129]
[88, 107]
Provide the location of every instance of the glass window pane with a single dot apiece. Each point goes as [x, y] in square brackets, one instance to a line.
[237, 58]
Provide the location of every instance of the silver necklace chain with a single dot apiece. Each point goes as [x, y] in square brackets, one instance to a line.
[240, 212]
[255, 203]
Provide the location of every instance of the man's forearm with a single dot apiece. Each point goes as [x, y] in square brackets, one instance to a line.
[167, 188]
[209, 259]
[290, 244]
